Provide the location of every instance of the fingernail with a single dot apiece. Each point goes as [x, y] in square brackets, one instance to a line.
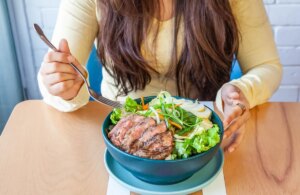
[230, 150]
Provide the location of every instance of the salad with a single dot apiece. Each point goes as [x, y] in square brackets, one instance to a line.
[189, 121]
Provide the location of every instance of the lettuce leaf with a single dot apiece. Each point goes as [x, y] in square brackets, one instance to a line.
[131, 105]
[197, 144]
[116, 115]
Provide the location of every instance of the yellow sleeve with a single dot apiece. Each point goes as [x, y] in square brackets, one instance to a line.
[257, 54]
[77, 23]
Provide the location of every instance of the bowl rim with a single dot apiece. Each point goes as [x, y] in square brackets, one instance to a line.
[107, 118]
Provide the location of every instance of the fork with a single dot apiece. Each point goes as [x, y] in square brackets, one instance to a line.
[94, 95]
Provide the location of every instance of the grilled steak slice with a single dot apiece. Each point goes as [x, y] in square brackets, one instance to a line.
[152, 132]
[134, 118]
[148, 136]
[116, 128]
[136, 131]
[141, 136]
[117, 134]
[159, 147]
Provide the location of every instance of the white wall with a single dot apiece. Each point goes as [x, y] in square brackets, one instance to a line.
[43, 13]
[284, 16]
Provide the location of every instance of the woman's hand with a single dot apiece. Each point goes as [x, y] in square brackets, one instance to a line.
[58, 76]
[236, 113]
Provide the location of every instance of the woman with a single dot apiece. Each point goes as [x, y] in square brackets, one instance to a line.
[184, 47]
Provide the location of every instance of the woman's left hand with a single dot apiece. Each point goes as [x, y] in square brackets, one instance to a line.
[236, 113]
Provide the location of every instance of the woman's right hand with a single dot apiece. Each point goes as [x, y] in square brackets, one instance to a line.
[58, 76]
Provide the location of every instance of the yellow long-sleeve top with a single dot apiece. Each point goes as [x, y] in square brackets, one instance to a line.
[257, 55]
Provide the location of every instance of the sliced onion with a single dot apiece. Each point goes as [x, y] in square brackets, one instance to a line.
[156, 114]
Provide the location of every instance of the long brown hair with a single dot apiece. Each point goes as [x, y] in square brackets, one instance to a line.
[209, 45]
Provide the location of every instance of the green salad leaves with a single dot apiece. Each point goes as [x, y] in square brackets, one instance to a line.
[130, 106]
[116, 115]
[197, 144]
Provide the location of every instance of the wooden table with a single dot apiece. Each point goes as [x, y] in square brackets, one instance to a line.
[43, 151]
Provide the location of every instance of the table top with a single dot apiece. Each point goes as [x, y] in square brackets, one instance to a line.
[44, 151]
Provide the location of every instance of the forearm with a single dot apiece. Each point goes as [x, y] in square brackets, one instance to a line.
[258, 84]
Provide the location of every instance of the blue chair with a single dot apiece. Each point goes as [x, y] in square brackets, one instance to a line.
[236, 71]
[94, 68]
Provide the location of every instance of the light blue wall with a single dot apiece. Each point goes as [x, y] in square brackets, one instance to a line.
[10, 84]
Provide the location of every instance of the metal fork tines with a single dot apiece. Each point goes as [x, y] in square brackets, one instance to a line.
[104, 100]
[92, 93]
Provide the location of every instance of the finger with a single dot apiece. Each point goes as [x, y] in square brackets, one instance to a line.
[235, 112]
[54, 78]
[55, 67]
[72, 92]
[234, 126]
[75, 62]
[59, 88]
[64, 46]
[53, 56]
[236, 142]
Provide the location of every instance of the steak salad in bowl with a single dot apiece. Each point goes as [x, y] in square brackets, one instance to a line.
[162, 139]
[165, 128]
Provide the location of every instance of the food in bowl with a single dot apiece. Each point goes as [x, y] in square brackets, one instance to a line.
[161, 172]
[166, 128]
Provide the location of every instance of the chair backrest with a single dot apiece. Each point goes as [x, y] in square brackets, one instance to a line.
[236, 71]
[94, 68]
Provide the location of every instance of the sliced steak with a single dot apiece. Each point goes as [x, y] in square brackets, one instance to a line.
[159, 147]
[134, 118]
[136, 131]
[121, 130]
[148, 137]
[153, 131]
[117, 134]
[116, 128]
[141, 136]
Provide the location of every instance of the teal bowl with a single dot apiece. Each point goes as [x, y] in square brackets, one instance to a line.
[161, 172]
